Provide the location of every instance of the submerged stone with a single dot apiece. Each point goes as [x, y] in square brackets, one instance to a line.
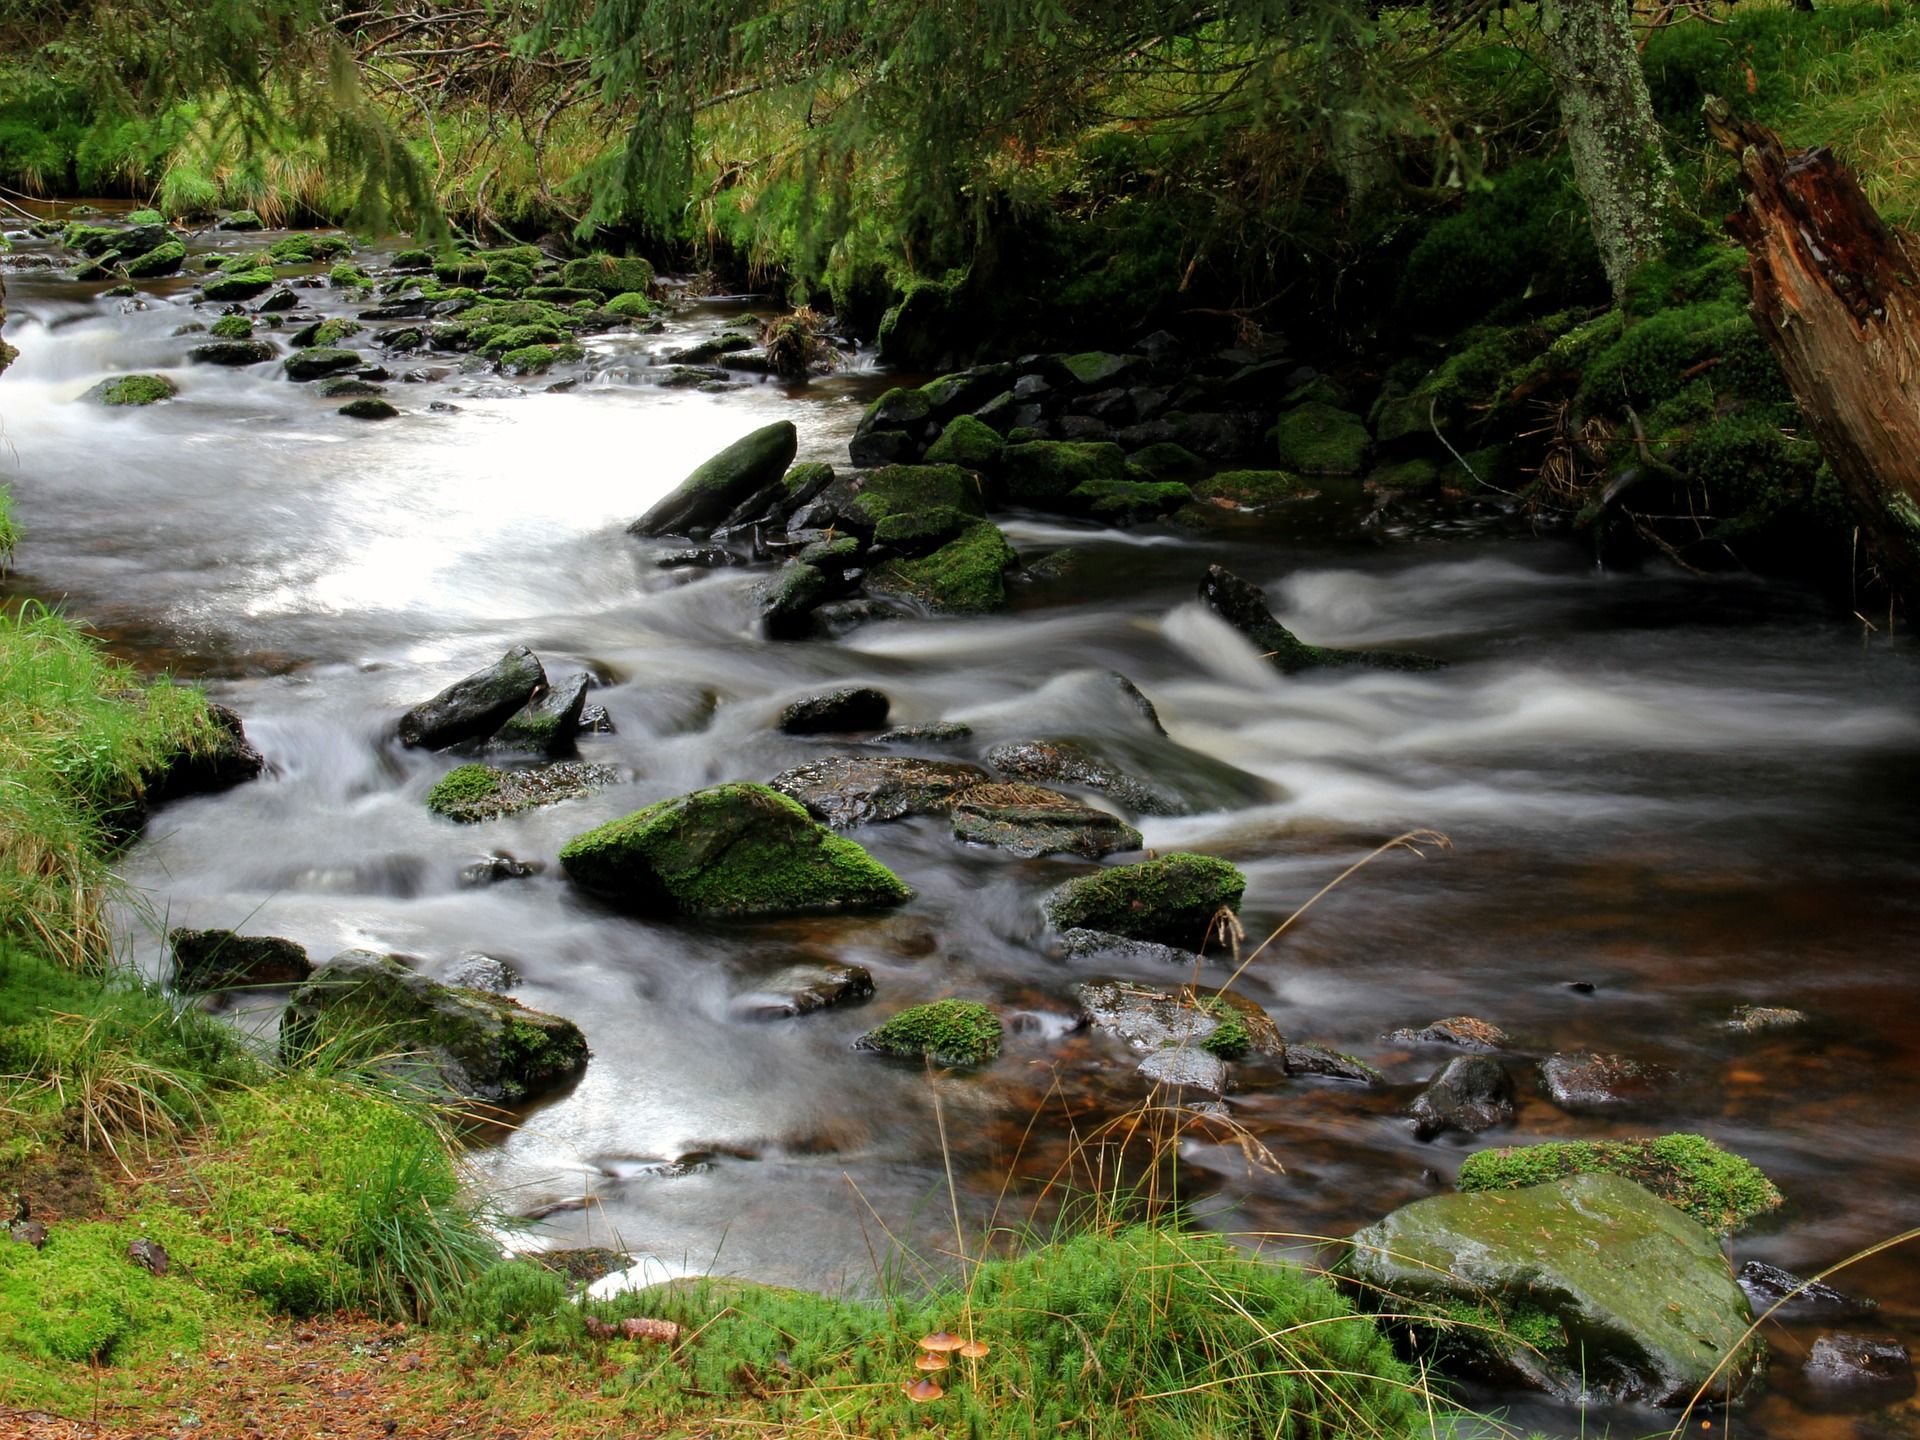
[852, 707]
[1588, 1081]
[1244, 606]
[1635, 1297]
[1068, 762]
[803, 988]
[473, 793]
[738, 851]
[1331, 1064]
[464, 1041]
[1030, 820]
[1462, 1031]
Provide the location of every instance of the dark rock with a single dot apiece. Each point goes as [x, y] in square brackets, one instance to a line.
[786, 601]
[1332, 1064]
[1186, 1067]
[495, 868]
[938, 732]
[369, 408]
[347, 387]
[1768, 1287]
[804, 988]
[1244, 606]
[1460, 1031]
[848, 790]
[224, 759]
[594, 720]
[1757, 1019]
[1620, 1294]
[472, 794]
[1603, 1082]
[278, 301]
[1850, 1361]
[731, 850]
[232, 352]
[149, 1255]
[547, 723]
[706, 496]
[1150, 1019]
[1473, 1093]
[1030, 821]
[319, 362]
[473, 708]
[1067, 762]
[220, 959]
[459, 1040]
[965, 390]
[699, 557]
[882, 447]
[1174, 899]
[837, 711]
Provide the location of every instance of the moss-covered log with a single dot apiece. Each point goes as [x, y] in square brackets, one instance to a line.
[1831, 286]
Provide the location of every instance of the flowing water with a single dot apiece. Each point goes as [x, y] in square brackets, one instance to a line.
[1666, 796]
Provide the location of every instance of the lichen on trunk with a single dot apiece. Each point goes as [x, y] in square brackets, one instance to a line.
[1619, 160]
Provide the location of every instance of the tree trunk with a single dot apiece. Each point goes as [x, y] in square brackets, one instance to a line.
[1619, 157]
[1832, 289]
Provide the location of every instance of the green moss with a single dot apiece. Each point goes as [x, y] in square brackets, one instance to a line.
[1128, 502]
[238, 285]
[496, 340]
[1173, 899]
[534, 359]
[1317, 439]
[966, 441]
[905, 493]
[307, 249]
[1043, 473]
[629, 305]
[461, 270]
[1721, 1190]
[462, 787]
[413, 259]
[349, 277]
[1230, 1039]
[1255, 488]
[242, 220]
[1165, 460]
[508, 274]
[966, 576]
[134, 390]
[608, 274]
[731, 850]
[163, 259]
[802, 477]
[948, 1032]
[145, 217]
[232, 327]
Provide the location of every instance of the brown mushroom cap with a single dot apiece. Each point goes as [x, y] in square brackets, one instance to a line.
[940, 1342]
[922, 1390]
[930, 1360]
[973, 1349]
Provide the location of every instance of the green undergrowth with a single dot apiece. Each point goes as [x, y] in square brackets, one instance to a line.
[1139, 1332]
[1721, 1190]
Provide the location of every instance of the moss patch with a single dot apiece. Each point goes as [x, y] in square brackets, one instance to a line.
[1318, 439]
[948, 1032]
[966, 576]
[1252, 488]
[134, 390]
[1720, 1190]
[1172, 899]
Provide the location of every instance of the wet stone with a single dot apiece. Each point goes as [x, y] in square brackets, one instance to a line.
[939, 732]
[1030, 820]
[1603, 1082]
[1461, 1031]
[849, 790]
[1330, 1064]
[1187, 1068]
[1768, 1286]
[854, 707]
[804, 988]
[495, 868]
[220, 959]
[517, 790]
[697, 557]
[1845, 1360]
[487, 973]
[1066, 762]
[1757, 1019]
[1114, 950]
[1473, 1093]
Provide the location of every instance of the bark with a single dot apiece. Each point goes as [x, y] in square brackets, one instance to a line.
[1832, 288]
[1619, 159]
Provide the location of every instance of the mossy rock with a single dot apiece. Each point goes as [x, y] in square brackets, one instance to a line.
[369, 407]
[238, 285]
[1318, 439]
[145, 217]
[1243, 605]
[629, 305]
[307, 249]
[1637, 1300]
[947, 1032]
[220, 960]
[1173, 899]
[1128, 502]
[473, 793]
[466, 1042]
[163, 259]
[1097, 368]
[969, 442]
[500, 340]
[608, 275]
[460, 270]
[231, 327]
[133, 390]
[1253, 489]
[325, 334]
[1044, 473]
[1721, 1190]
[349, 277]
[1165, 460]
[707, 496]
[538, 359]
[966, 576]
[735, 851]
[348, 387]
[919, 333]
[320, 361]
[412, 260]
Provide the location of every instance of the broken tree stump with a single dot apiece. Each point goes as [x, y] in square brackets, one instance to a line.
[1836, 292]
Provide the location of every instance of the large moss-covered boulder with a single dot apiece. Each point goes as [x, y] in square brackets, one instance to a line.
[706, 496]
[132, 390]
[917, 508]
[1243, 605]
[1319, 439]
[475, 707]
[1173, 899]
[732, 850]
[163, 259]
[967, 441]
[1591, 1284]
[965, 576]
[1045, 473]
[467, 1042]
[1720, 1190]
[608, 274]
[320, 361]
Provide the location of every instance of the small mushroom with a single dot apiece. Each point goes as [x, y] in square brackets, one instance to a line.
[973, 1349]
[941, 1343]
[930, 1360]
[922, 1390]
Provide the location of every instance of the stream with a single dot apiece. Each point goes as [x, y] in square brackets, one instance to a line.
[1666, 796]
